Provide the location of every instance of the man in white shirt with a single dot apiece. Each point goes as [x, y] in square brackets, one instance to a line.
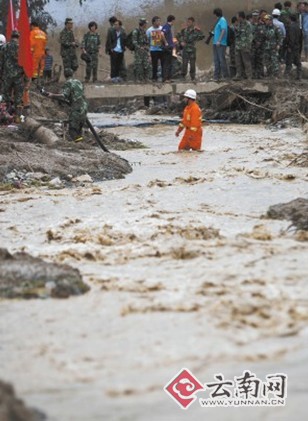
[276, 22]
[157, 42]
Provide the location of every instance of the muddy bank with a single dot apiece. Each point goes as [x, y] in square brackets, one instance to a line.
[65, 161]
[13, 409]
[24, 276]
[284, 101]
[28, 159]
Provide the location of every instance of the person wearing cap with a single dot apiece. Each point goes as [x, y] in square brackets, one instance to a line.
[73, 93]
[273, 42]
[68, 46]
[257, 47]
[168, 50]
[187, 39]
[38, 41]
[90, 45]
[191, 122]
[276, 13]
[142, 58]
[243, 41]
[280, 25]
[13, 76]
[157, 42]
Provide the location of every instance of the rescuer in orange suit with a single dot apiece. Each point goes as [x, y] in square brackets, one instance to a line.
[192, 123]
[38, 41]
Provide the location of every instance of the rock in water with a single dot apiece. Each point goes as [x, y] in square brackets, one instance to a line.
[13, 408]
[24, 276]
[295, 211]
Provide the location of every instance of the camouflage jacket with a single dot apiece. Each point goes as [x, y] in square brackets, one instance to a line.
[243, 36]
[66, 40]
[140, 39]
[273, 37]
[11, 67]
[285, 16]
[91, 42]
[73, 93]
[190, 36]
[258, 32]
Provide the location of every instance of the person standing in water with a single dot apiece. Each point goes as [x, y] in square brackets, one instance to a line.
[192, 123]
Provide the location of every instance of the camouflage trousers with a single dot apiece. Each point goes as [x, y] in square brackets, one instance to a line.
[189, 57]
[77, 119]
[142, 65]
[92, 67]
[271, 62]
[13, 88]
[70, 61]
[257, 62]
[243, 63]
[232, 63]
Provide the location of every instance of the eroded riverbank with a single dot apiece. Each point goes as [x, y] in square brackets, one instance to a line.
[183, 273]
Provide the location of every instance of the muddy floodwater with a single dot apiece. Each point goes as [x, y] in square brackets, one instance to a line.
[184, 272]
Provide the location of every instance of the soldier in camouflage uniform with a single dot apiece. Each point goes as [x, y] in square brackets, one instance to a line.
[231, 34]
[243, 41]
[187, 39]
[73, 93]
[13, 75]
[68, 46]
[142, 62]
[90, 45]
[257, 48]
[273, 42]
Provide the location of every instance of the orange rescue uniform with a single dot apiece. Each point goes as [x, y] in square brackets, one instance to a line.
[38, 41]
[192, 122]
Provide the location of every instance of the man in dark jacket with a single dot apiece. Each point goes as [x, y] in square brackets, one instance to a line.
[293, 45]
[115, 47]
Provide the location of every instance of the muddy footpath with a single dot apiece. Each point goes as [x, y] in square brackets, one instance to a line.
[119, 269]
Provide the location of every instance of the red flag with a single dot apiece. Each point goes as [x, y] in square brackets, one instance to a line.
[24, 53]
[11, 21]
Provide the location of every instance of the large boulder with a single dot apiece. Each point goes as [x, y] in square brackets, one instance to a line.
[24, 276]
